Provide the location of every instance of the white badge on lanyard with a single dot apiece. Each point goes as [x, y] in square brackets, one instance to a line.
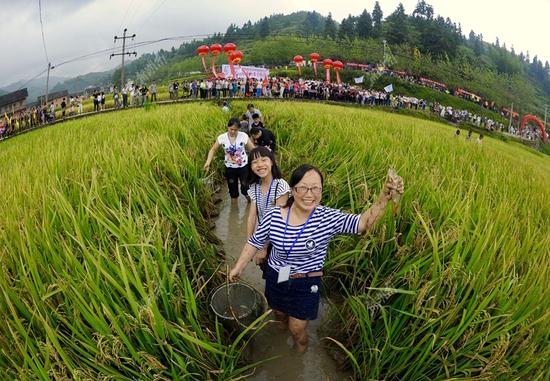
[284, 274]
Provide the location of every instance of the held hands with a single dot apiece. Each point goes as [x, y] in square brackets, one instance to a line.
[394, 187]
[234, 274]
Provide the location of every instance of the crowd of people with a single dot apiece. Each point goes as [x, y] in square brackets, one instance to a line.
[135, 95]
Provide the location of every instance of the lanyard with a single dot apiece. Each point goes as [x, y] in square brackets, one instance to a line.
[260, 193]
[299, 233]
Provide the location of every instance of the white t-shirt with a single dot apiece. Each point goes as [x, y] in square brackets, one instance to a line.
[235, 154]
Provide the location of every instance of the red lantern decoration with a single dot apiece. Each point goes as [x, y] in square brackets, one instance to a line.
[338, 65]
[202, 51]
[228, 49]
[215, 50]
[327, 64]
[314, 57]
[236, 57]
[298, 60]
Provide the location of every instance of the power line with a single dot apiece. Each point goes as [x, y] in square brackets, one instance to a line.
[42, 30]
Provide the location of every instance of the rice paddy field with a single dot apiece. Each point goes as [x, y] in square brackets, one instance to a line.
[107, 259]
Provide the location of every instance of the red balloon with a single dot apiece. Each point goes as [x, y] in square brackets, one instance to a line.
[338, 65]
[327, 63]
[236, 56]
[298, 59]
[314, 57]
[229, 47]
[215, 49]
[203, 50]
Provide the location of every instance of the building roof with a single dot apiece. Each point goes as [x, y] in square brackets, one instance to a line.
[13, 97]
[57, 94]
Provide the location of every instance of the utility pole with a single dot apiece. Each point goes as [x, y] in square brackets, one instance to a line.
[48, 82]
[123, 38]
[511, 114]
[384, 41]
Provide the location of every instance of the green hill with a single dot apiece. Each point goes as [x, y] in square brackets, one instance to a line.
[422, 44]
[107, 258]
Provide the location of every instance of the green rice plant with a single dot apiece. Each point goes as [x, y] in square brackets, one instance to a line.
[107, 260]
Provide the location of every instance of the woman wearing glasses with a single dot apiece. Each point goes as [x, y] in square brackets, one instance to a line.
[300, 233]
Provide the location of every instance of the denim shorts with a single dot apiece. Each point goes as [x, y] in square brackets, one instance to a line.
[298, 298]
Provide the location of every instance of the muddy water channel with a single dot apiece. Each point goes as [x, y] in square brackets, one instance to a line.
[315, 364]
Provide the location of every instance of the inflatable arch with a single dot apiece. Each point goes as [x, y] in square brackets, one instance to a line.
[531, 118]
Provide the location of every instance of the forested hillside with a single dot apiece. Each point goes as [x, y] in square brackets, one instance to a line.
[422, 43]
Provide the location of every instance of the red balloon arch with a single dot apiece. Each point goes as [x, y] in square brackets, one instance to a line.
[531, 118]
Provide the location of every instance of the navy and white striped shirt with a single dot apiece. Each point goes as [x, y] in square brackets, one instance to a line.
[278, 188]
[309, 252]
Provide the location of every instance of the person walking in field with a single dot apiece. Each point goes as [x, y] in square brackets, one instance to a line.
[234, 144]
[267, 189]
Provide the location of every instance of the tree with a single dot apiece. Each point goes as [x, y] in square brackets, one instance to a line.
[264, 28]
[330, 27]
[347, 28]
[363, 28]
[497, 43]
[423, 10]
[397, 31]
[377, 19]
[312, 24]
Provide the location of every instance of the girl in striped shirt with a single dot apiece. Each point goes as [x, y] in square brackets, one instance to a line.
[300, 233]
[266, 190]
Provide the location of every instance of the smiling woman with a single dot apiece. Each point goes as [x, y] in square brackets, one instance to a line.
[233, 143]
[300, 233]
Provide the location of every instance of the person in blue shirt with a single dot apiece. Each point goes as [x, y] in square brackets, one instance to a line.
[300, 233]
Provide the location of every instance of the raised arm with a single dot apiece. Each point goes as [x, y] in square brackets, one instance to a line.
[211, 153]
[371, 216]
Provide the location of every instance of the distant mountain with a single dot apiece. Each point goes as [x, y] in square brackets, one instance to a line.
[35, 87]
[2, 92]
[83, 81]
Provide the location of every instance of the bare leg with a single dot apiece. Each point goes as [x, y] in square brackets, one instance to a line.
[282, 319]
[298, 328]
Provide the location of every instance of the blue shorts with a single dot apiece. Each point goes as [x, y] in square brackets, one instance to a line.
[298, 298]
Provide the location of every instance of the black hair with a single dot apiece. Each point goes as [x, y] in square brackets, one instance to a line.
[250, 105]
[298, 175]
[254, 130]
[234, 122]
[262, 151]
[255, 115]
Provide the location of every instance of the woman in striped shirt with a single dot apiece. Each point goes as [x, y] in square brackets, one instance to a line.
[300, 233]
[266, 190]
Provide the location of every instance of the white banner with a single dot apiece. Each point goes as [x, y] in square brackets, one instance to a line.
[359, 79]
[252, 71]
[389, 88]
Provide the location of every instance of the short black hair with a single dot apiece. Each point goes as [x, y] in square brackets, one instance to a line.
[233, 122]
[255, 115]
[250, 105]
[255, 130]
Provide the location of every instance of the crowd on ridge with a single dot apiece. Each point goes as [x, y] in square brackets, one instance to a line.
[135, 95]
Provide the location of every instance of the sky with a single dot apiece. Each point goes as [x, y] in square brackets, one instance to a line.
[73, 28]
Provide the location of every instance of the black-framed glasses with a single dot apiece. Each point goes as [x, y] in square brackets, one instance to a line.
[304, 189]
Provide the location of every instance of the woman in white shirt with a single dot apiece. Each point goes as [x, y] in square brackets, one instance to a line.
[234, 143]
